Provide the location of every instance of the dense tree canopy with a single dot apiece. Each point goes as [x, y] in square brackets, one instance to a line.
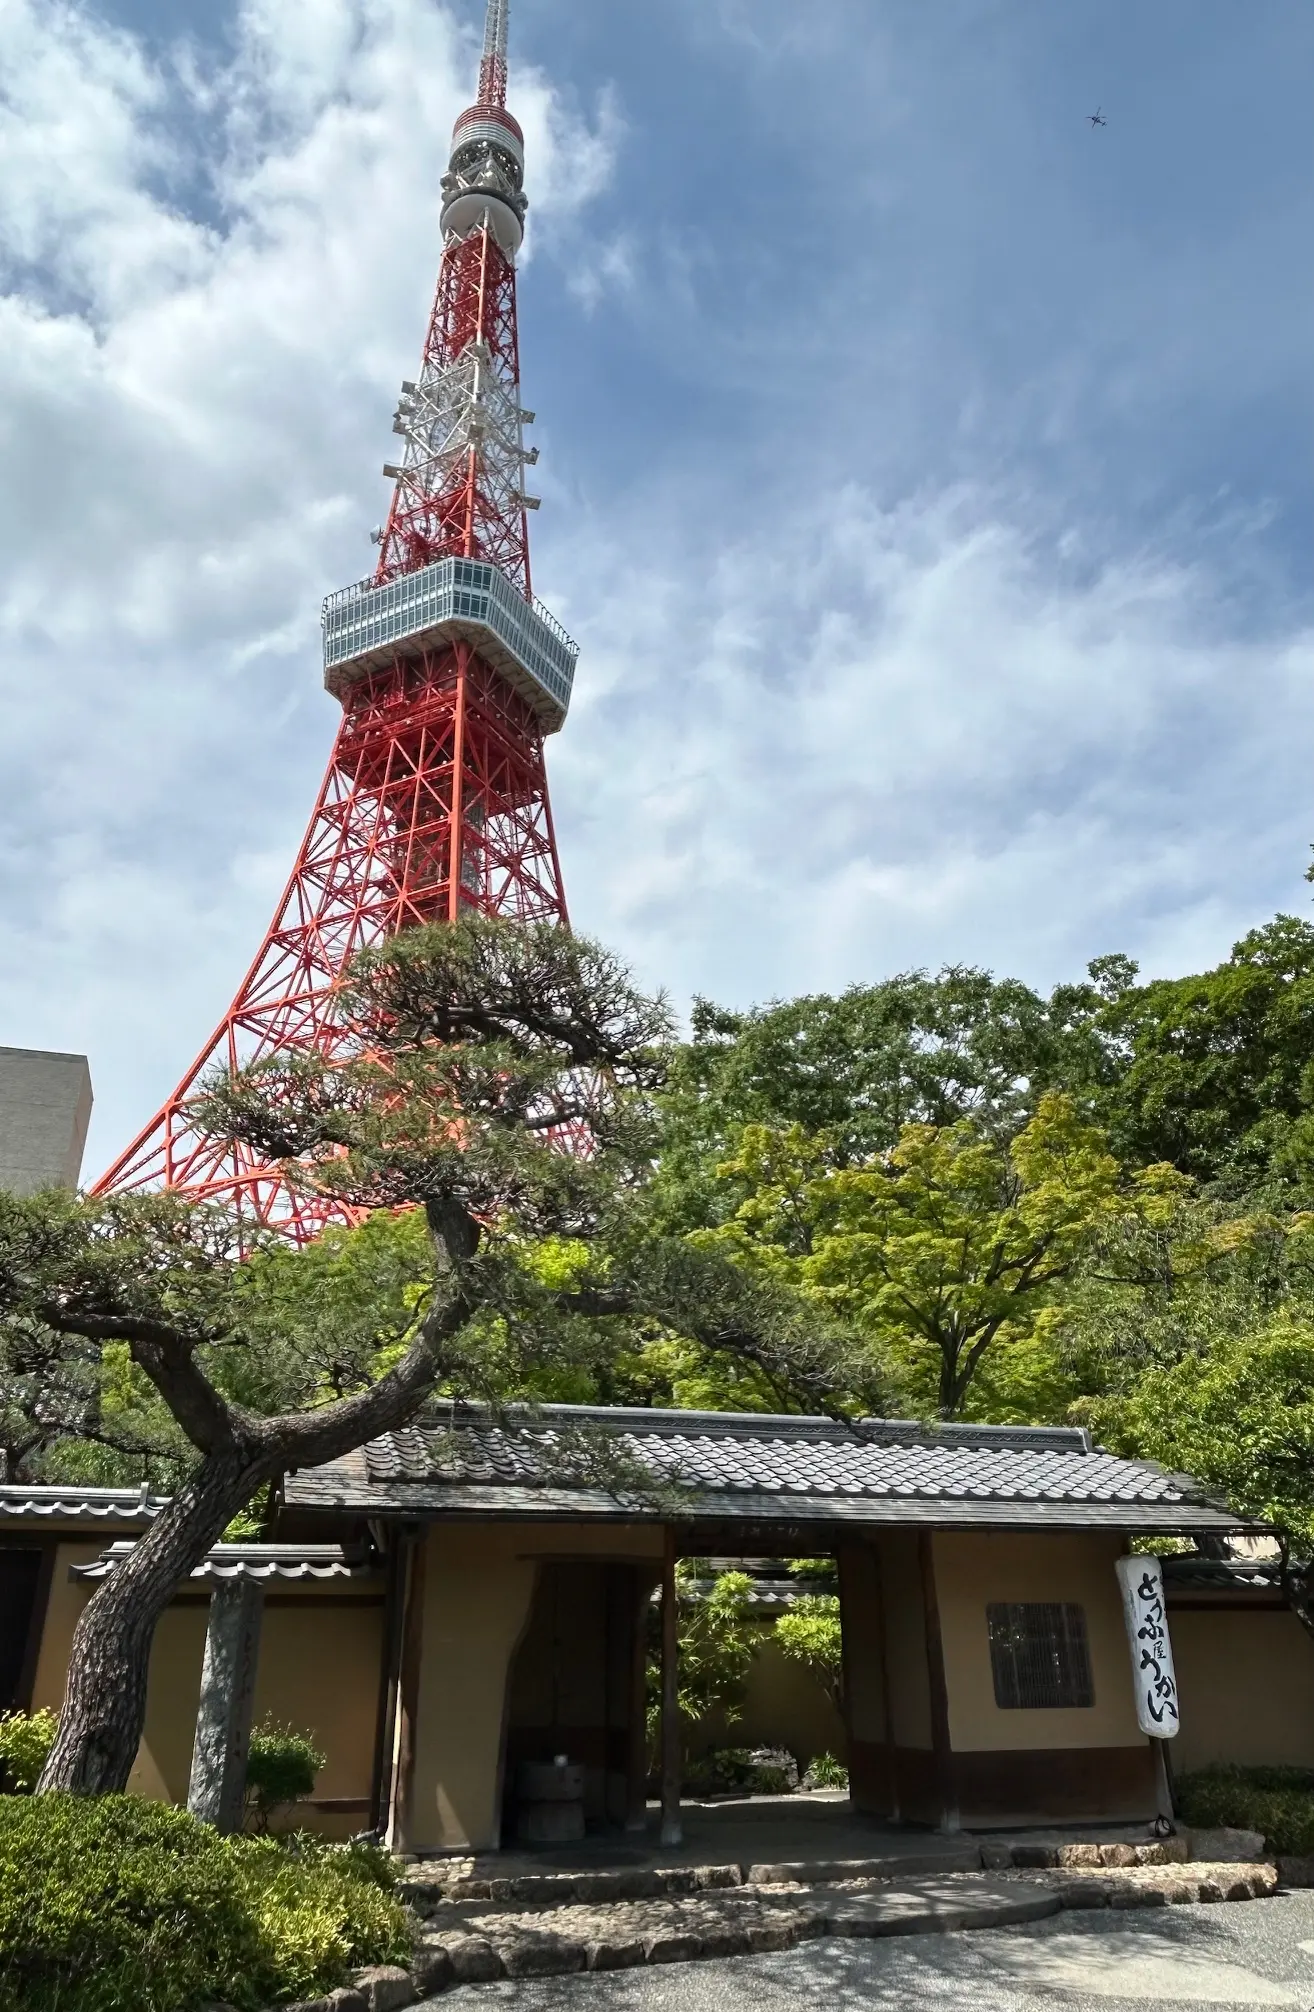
[498, 1083]
[1216, 1072]
[940, 1195]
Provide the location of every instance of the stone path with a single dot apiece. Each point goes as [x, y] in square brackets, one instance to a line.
[479, 1930]
[478, 1941]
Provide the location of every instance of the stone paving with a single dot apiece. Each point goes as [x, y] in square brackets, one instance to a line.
[476, 1927]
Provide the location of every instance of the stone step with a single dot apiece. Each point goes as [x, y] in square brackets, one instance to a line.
[938, 1906]
[562, 1889]
[734, 1920]
[965, 1857]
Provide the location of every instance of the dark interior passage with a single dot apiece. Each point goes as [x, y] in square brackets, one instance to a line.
[577, 1686]
[20, 1580]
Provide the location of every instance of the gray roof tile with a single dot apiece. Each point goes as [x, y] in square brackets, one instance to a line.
[461, 1460]
[30, 1502]
[255, 1562]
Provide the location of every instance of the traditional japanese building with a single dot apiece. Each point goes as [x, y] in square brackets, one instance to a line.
[449, 1603]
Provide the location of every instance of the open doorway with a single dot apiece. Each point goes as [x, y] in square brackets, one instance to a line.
[21, 1585]
[577, 1687]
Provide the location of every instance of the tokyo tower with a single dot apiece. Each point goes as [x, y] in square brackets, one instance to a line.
[450, 676]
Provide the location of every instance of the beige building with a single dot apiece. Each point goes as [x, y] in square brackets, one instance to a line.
[45, 1109]
[461, 1597]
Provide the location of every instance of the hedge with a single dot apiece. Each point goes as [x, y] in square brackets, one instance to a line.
[1278, 1801]
[116, 1904]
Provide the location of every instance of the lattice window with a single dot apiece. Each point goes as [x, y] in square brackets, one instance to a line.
[1039, 1656]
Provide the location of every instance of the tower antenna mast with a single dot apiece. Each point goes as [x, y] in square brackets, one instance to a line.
[450, 676]
[492, 71]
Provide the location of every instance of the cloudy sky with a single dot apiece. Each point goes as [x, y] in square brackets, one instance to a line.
[927, 475]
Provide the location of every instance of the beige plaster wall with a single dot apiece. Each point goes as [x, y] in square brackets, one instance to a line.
[973, 1568]
[1246, 1681]
[318, 1671]
[67, 1599]
[479, 1583]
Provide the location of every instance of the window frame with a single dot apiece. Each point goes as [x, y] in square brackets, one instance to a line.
[1039, 1665]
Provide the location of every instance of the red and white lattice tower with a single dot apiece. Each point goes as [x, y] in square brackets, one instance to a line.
[449, 673]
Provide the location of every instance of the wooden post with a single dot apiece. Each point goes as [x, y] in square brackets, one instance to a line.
[672, 1831]
[217, 1789]
[408, 1699]
[385, 1731]
[950, 1819]
[1165, 1823]
[636, 1814]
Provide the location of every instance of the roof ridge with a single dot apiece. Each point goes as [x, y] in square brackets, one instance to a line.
[768, 1425]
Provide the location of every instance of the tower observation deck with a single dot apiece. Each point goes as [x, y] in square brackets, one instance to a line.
[450, 676]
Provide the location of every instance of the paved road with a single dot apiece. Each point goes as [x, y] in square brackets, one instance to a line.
[1256, 1953]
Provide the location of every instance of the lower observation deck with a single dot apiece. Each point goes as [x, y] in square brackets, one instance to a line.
[367, 626]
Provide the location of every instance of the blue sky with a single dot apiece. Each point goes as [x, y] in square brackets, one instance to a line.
[927, 475]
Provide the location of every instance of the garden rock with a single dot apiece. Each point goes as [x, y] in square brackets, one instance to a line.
[472, 1957]
[540, 1952]
[385, 1987]
[431, 1967]
[615, 1953]
[341, 2000]
[1296, 1871]
[1226, 1846]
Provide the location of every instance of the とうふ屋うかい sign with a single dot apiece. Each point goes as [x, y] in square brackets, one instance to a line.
[1153, 1676]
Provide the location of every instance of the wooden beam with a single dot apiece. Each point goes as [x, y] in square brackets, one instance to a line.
[944, 1760]
[385, 1730]
[672, 1831]
[636, 1814]
[408, 1698]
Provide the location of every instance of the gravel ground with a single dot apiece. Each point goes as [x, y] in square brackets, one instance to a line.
[1261, 1953]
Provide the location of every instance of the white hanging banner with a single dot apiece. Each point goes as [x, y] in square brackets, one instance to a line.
[1153, 1676]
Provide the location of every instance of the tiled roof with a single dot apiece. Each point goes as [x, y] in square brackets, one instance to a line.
[738, 1466]
[73, 1504]
[257, 1562]
[1187, 1574]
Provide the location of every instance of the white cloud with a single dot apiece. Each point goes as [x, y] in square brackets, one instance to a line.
[842, 736]
[921, 735]
[213, 278]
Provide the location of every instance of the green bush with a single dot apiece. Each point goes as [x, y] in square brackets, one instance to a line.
[826, 1772]
[1278, 1801]
[25, 1740]
[280, 1770]
[116, 1904]
[738, 1771]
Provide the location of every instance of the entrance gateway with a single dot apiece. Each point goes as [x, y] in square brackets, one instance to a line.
[475, 1593]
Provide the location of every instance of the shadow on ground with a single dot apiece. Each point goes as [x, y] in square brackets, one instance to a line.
[1180, 1956]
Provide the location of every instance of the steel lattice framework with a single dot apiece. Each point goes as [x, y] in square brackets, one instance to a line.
[450, 675]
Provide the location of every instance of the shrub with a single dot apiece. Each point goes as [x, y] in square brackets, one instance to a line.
[826, 1772]
[743, 1771]
[116, 1904]
[25, 1740]
[1277, 1801]
[280, 1770]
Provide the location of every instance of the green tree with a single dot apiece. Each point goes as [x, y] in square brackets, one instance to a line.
[1215, 1071]
[718, 1639]
[469, 1052]
[810, 1633]
[949, 1251]
[1238, 1414]
[915, 1049]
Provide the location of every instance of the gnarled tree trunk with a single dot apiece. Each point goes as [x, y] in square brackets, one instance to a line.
[104, 1708]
